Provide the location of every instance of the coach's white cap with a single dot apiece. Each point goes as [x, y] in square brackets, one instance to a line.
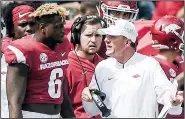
[121, 27]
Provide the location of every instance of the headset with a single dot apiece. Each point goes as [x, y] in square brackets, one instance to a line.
[77, 26]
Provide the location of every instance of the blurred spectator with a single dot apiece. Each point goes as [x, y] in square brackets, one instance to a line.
[34, 4]
[88, 8]
[175, 8]
[145, 9]
[72, 7]
[4, 4]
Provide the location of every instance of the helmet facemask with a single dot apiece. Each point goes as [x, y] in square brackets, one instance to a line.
[121, 8]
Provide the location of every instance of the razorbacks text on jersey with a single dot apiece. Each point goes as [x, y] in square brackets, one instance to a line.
[44, 82]
[171, 70]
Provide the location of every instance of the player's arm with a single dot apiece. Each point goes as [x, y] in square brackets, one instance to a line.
[66, 107]
[16, 88]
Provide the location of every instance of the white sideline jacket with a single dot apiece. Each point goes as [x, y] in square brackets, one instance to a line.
[132, 91]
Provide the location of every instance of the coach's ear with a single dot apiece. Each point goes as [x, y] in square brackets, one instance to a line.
[128, 42]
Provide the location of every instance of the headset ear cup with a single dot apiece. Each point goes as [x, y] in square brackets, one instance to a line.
[72, 35]
[75, 31]
[78, 37]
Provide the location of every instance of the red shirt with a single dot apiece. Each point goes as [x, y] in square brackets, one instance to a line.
[44, 82]
[5, 42]
[76, 83]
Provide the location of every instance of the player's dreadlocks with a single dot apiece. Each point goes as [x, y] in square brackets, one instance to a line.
[7, 16]
[44, 14]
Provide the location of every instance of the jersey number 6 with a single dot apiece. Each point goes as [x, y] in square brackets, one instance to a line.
[54, 80]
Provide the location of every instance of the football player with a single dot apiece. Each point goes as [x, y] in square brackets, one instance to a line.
[113, 10]
[168, 34]
[35, 77]
[18, 24]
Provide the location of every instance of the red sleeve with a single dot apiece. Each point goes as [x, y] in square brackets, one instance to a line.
[5, 42]
[18, 52]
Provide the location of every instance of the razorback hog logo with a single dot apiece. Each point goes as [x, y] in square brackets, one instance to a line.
[171, 28]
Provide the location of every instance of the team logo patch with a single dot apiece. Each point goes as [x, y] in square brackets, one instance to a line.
[43, 57]
[172, 72]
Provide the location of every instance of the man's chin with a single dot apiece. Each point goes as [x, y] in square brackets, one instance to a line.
[92, 52]
[108, 53]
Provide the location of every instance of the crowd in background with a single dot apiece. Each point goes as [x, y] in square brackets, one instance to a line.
[149, 10]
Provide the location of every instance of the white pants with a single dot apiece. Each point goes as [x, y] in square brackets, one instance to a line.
[4, 101]
[27, 114]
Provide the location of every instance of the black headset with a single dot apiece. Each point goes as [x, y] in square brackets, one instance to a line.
[75, 31]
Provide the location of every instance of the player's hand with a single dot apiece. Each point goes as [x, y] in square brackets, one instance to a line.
[178, 99]
[86, 95]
